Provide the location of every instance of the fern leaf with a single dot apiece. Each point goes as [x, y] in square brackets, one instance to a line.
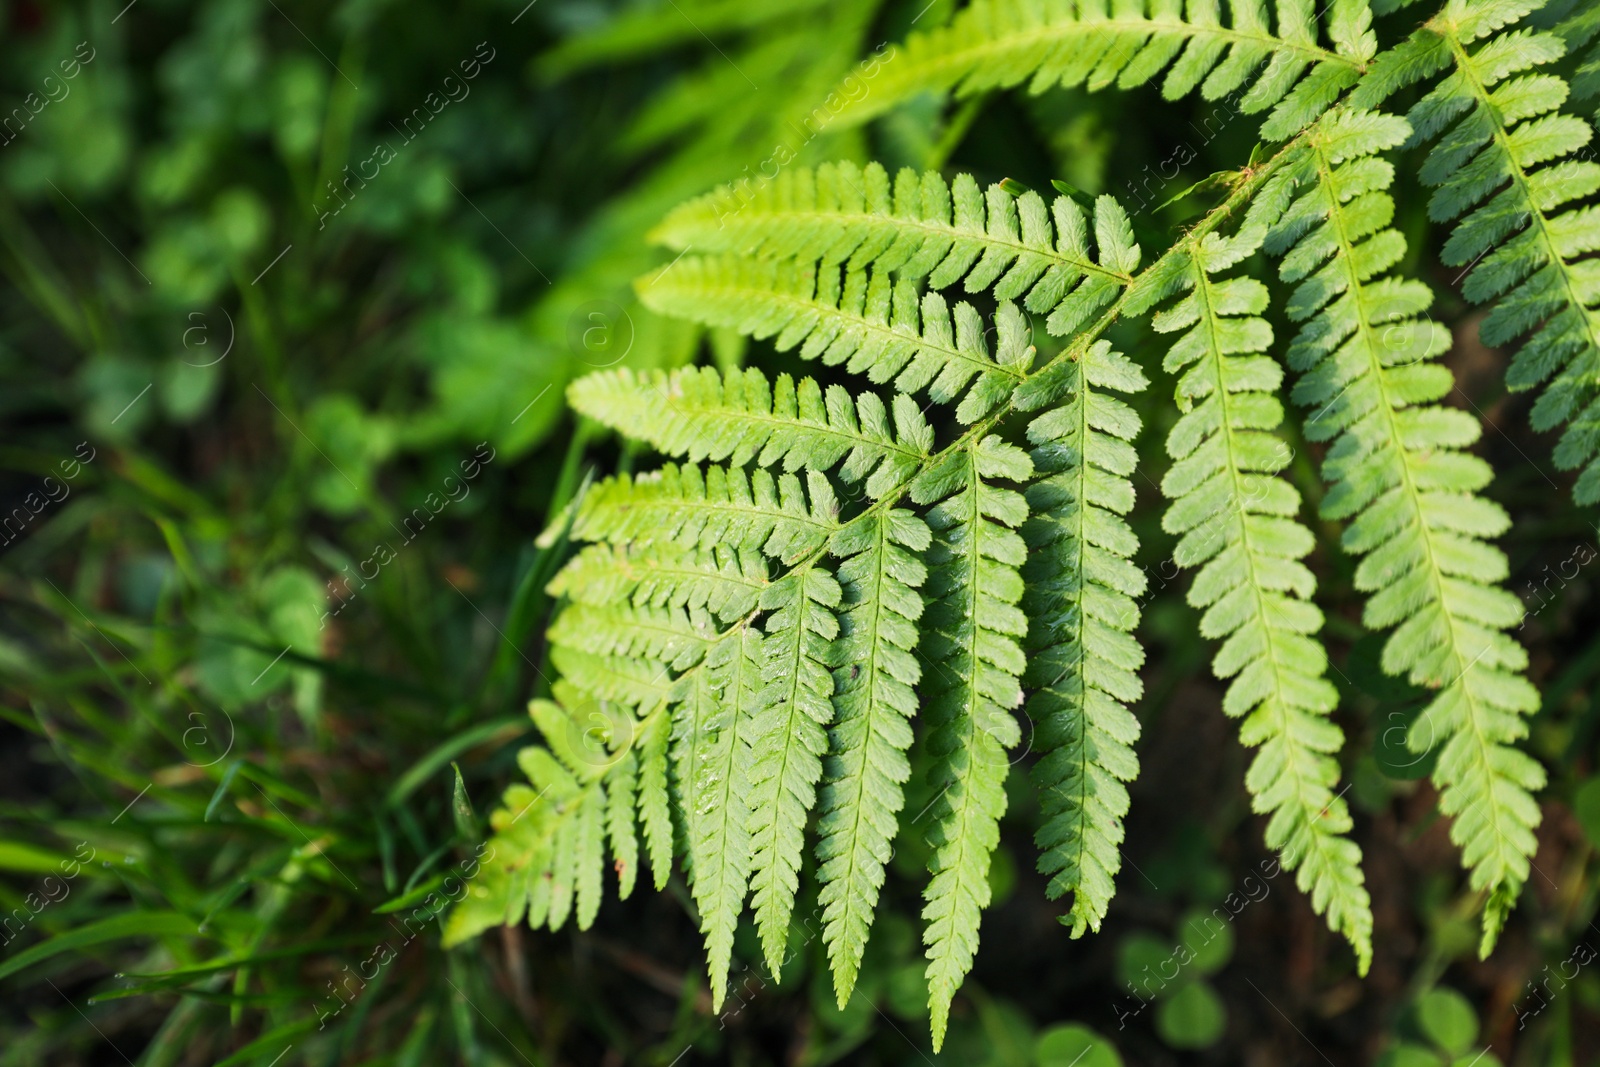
[726, 582]
[874, 672]
[971, 636]
[1236, 523]
[638, 683]
[683, 506]
[862, 319]
[589, 854]
[1081, 605]
[1505, 161]
[701, 414]
[1015, 246]
[712, 727]
[621, 822]
[993, 44]
[655, 806]
[1399, 474]
[668, 636]
[498, 889]
[788, 739]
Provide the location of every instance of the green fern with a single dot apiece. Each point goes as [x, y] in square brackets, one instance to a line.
[788, 739]
[971, 633]
[1237, 524]
[1271, 63]
[875, 674]
[923, 228]
[1503, 161]
[816, 571]
[712, 726]
[1398, 473]
[1082, 610]
[860, 319]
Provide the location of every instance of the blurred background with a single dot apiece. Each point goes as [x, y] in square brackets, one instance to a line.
[290, 295]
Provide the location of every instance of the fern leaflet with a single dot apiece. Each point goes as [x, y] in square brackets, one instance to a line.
[1082, 611]
[1236, 522]
[875, 670]
[712, 721]
[1398, 472]
[1000, 43]
[862, 319]
[788, 738]
[971, 633]
[924, 228]
[1506, 164]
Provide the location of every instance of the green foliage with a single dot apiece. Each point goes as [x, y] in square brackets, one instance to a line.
[1033, 550]
[1504, 160]
[866, 603]
[1398, 473]
[1082, 610]
[1001, 43]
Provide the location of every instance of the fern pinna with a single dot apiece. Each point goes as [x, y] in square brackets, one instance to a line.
[825, 587]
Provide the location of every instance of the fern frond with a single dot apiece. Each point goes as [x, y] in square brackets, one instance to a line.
[1236, 523]
[875, 671]
[701, 414]
[862, 319]
[726, 582]
[994, 44]
[548, 858]
[788, 738]
[621, 823]
[655, 792]
[669, 636]
[1080, 603]
[637, 682]
[971, 636]
[712, 723]
[1015, 246]
[1399, 472]
[694, 509]
[1505, 162]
